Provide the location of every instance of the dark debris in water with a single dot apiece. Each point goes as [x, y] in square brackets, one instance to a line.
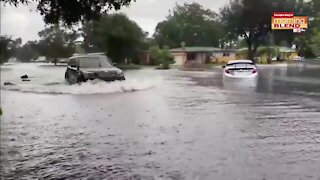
[8, 84]
[52, 83]
[24, 77]
[149, 153]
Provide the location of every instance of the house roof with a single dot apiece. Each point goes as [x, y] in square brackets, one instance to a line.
[281, 49]
[200, 49]
[286, 49]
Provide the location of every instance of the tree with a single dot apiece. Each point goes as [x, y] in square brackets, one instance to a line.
[56, 42]
[251, 20]
[27, 52]
[303, 45]
[8, 47]
[301, 8]
[71, 11]
[4, 49]
[283, 37]
[315, 24]
[307, 42]
[190, 23]
[315, 4]
[116, 35]
[91, 42]
[315, 45]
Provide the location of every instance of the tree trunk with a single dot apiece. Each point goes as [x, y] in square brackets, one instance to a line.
[254, 52]
[250, 52]
[251, 42]
[269, 60]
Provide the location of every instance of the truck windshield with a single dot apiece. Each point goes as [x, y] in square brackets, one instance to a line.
[94, 62]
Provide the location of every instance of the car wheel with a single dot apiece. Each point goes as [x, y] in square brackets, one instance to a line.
[72, 79]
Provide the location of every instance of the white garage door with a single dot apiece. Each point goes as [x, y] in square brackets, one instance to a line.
[179, 60]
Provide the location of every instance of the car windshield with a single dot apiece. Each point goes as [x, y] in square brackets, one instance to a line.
[94, 62]
[240, 65]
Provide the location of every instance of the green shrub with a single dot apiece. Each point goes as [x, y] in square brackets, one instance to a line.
[162, 57]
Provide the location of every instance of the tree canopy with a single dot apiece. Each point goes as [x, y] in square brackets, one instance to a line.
[114, 34]
[56, 42]
[315, 43]
[190, 24]
[8, 47]
[250, 19]
[27, 52]
[4, 49]
[240, 23]
[71, 11]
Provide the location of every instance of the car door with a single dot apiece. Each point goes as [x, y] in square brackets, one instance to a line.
[72, 70]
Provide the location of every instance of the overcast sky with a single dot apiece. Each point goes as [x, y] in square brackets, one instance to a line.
[26, 22]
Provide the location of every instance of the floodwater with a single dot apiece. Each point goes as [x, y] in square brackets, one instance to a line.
[168, 124]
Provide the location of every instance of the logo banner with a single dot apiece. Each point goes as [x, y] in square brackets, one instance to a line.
[287, 21]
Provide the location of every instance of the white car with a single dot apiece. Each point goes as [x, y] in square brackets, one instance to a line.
[297, 58]
[240, 69]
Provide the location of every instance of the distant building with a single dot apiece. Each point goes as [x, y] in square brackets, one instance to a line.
[201, 55]
[286, 53]
[274, 52]
[144, 57]
[41, 59]
[12, 60]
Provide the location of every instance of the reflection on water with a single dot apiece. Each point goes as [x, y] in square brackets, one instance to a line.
[189, 125]
[247, 85]
[306, 68]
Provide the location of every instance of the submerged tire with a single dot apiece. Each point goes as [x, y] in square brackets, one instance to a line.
[72, 79]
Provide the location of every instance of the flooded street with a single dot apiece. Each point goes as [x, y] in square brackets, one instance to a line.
[167, 124]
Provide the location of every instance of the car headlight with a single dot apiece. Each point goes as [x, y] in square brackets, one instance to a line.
[120, 73]
[87, 75]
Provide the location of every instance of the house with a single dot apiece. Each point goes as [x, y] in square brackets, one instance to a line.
[41, 59]
[264, 52]
[201, 55]
[12, 60]
[145, 58]
[286, 53]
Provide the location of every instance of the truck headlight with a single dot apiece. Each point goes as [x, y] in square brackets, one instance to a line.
[120, 73]
[87, 75]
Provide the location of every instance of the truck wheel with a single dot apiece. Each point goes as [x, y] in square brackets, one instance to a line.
[73, 79]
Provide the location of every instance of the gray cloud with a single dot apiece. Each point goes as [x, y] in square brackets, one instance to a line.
[22, 21]
[25, 22]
